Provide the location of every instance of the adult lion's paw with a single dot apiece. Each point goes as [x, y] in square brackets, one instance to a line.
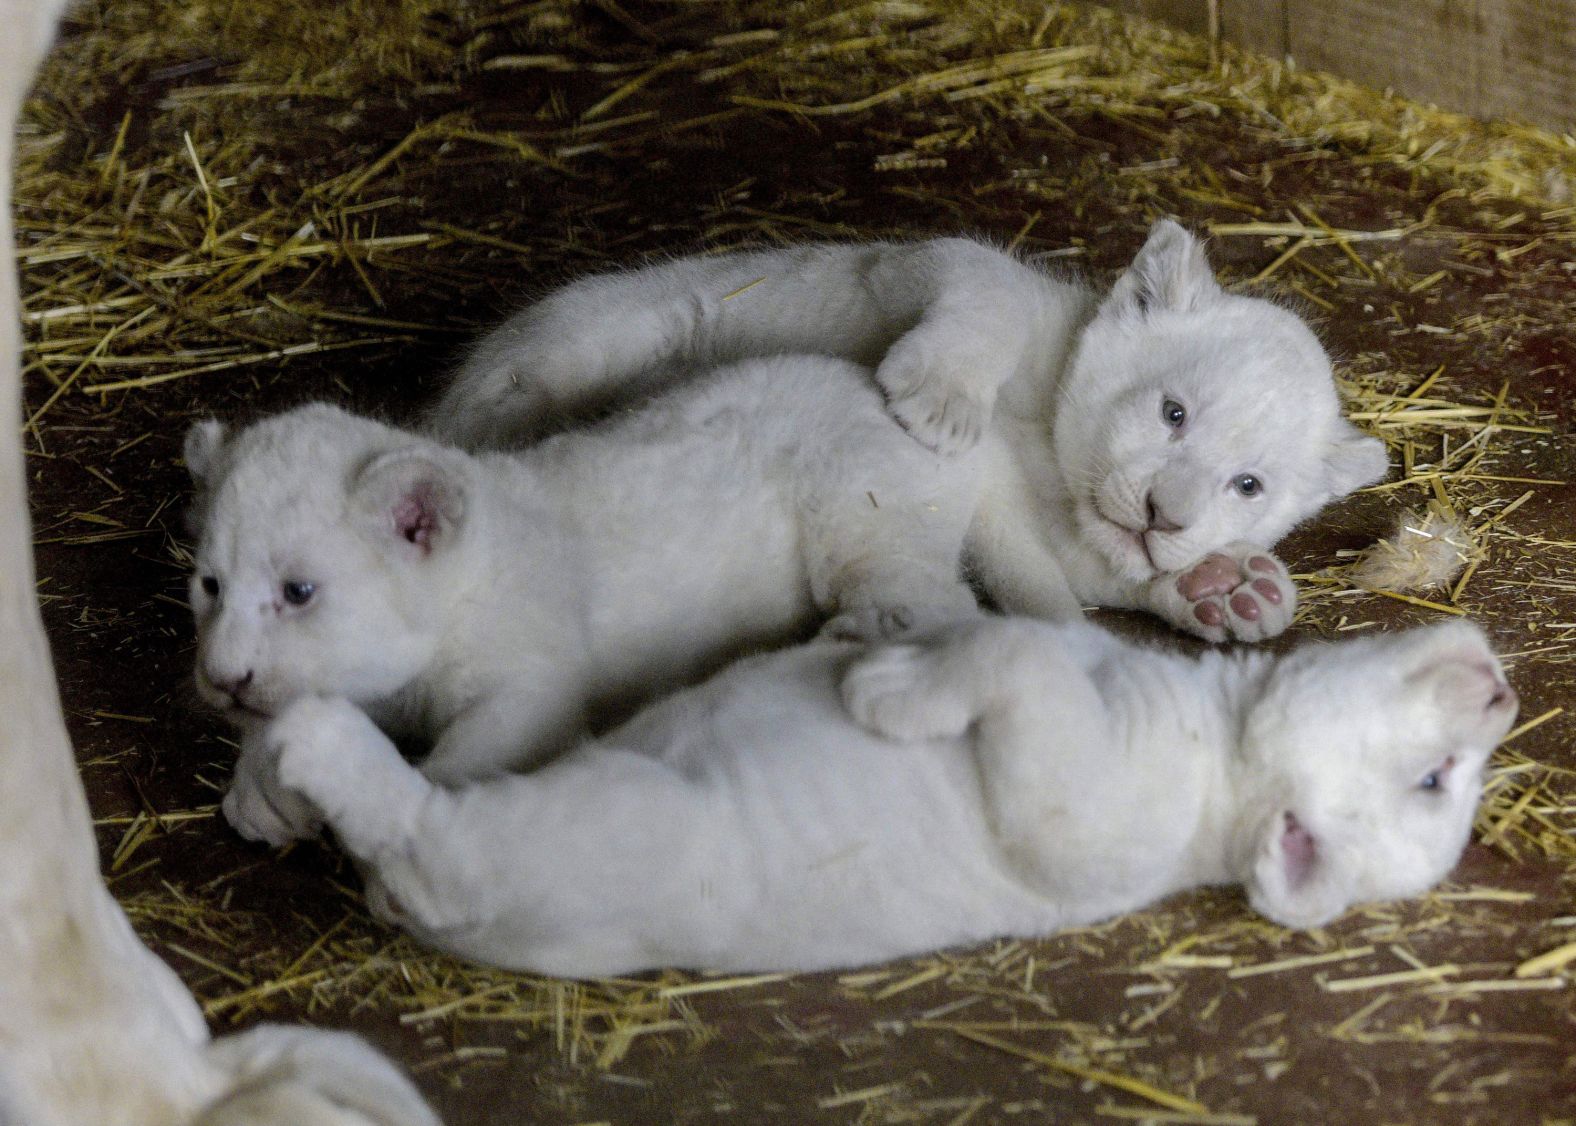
[1241, 593]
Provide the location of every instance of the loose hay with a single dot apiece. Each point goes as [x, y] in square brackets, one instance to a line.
[224, 203]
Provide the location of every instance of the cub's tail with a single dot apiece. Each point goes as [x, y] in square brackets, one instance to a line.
[306, 1077]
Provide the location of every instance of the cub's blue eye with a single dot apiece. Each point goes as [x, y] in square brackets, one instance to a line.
[1435, 779]
[298, 593]
[210, 586]
[1173, 414]
[1247, 484]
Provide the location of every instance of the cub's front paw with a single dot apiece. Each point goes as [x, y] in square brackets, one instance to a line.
[870, 623]
[936, 396]
[334, 758]
[261, 810]
[923, 612]
[893, 692]
[257, 806]
[1239, 594]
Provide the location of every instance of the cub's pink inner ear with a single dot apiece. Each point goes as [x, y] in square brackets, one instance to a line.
[1299, 850]
[416, 516]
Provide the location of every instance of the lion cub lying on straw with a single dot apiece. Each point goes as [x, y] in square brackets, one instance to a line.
[833, 804]
[1125, 439]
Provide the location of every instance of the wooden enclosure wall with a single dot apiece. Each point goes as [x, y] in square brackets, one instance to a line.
[1489, 58]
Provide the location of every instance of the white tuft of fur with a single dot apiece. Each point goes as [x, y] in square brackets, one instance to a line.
[1427, 550]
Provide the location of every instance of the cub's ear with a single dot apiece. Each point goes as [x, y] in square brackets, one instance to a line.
[203, 443]
[201, 452]
[1292, 881]
[416, 496]
[1452, 665]
[1353, 460]
[1169, 273]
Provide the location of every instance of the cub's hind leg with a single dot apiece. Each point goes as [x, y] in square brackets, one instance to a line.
[561, 360]
[611, 339]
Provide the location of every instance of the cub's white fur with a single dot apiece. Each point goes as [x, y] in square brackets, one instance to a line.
[1126, 435]
[833, 805]
[490, 603]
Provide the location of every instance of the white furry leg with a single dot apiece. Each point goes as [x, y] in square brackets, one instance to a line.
[992, 668]
[332, 756]
[384, 813]
[941, 393]
[1240, 593]
[904, 692]
[900, 606]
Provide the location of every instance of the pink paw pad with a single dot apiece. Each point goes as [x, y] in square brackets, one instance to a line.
[1263, 564]
[1267, 591]
[1245, 607]
[1214, 575]
[1209, 613]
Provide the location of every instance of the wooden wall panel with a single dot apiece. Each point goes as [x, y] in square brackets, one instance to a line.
[1490, 58]
[1427, 49]
[1256, 25]
[1531, 71]
[1186, 15]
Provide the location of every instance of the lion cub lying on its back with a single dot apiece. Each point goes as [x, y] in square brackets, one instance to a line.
[1000, 778]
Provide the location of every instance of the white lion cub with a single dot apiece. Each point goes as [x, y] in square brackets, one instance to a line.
[491, 604]
[833, 805]
[1144, 451]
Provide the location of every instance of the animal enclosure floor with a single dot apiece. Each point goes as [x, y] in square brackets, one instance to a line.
[229, 207]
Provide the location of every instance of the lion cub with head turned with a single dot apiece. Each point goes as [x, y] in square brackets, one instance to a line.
[493, 604]
[832, 805]
[1143, 450]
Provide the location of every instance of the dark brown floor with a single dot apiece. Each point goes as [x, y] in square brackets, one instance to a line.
[611, 132]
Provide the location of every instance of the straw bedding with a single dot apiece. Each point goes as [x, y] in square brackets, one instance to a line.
[228, 207]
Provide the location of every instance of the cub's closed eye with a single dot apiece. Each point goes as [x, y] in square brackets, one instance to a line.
[298, 593]
[1173, 413]
[1247, 484]
[210, 586]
